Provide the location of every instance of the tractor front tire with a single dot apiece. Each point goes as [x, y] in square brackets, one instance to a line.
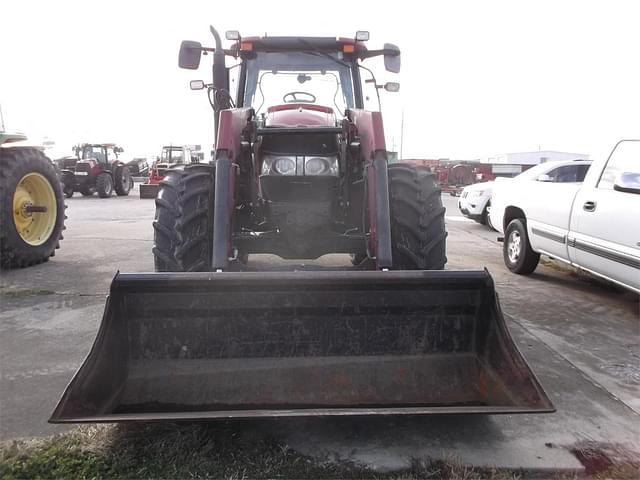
[183, 225]
[123, 181]
[104, 185]
[29, 181]
[418, 235]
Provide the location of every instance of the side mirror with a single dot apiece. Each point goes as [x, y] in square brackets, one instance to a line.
[196, 85]
[118, 149]
[391, 58]
[190, 53]
[544, 178]
[392, 87]
[628, 182]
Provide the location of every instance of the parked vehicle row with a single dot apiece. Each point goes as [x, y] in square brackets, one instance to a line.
[475, 200]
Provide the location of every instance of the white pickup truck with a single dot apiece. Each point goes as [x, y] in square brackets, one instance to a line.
[594, 226]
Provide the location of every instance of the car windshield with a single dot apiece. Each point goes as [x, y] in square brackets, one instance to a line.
[276, 78]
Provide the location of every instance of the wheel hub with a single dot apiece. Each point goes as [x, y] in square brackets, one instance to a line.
[34, 209]
[514, 247]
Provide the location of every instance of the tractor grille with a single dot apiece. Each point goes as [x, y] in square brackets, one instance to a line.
[83, 167]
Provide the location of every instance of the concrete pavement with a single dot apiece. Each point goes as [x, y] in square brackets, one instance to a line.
[580, 337]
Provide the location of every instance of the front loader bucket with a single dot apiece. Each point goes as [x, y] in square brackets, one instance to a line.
[216, 345]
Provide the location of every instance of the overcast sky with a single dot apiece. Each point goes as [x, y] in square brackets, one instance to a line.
[478, 77]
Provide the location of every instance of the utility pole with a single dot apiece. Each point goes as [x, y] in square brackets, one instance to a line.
[401, 134]
[1, 120]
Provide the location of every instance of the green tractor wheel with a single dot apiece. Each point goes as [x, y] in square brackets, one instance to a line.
[31, 207]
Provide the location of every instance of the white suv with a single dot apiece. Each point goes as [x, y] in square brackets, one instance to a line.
[475, 202]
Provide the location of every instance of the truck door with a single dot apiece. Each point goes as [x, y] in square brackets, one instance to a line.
[548, 221]
[605, 221]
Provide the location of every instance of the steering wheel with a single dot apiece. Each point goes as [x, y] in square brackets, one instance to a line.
[292, 97]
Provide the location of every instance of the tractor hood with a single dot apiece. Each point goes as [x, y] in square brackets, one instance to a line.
[300, 115]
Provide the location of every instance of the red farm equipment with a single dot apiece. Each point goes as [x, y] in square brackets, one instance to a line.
[171, 156]
[300, 171]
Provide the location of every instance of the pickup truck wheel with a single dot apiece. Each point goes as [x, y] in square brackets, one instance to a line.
[518, 255]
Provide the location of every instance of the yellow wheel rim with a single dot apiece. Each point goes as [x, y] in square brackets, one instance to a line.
[34, 209]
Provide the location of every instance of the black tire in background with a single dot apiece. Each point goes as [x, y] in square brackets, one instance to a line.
[15, 163]
[183, 225]
[122, 181]
[418, 234]
[518, 255]
[104, 185]
[485, 213]
[489, 224]
[68, 183]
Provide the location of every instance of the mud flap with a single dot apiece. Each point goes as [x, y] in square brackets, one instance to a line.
[216, 345]
[149, 190]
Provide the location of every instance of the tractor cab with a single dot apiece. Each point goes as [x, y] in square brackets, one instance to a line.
[170, 157]
[172, 154]
[104, 153]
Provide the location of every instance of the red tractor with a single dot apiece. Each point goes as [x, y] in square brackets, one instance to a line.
[171, 156]
[96, 168]
[300, 171]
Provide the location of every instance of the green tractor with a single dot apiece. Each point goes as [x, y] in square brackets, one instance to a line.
[31, 204]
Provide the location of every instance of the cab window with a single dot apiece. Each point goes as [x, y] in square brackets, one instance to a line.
[569, 174]
[624, 159]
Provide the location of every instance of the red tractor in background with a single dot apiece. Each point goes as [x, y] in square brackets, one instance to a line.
[452, 177]
[171, 155]
[96, 168]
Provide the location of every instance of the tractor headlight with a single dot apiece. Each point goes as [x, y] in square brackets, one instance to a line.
[321, 166]
[285, 166]
[292, 165]
[278, 165]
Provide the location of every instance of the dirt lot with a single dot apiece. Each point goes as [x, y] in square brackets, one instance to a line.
[580, 336]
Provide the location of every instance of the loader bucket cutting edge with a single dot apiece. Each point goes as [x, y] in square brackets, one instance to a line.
[179, 346]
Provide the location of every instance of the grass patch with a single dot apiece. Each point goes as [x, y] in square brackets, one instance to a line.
[202, 450]
[24, 292]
